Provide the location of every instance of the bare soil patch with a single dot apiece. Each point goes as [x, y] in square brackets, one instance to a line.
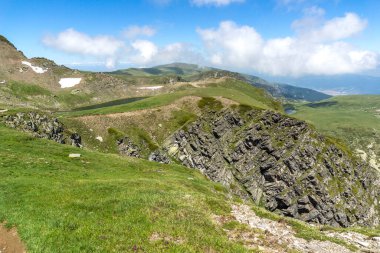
[10, 241]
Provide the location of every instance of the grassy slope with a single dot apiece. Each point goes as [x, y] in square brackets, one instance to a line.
[105, 203]
[350, 118]
[235, 90]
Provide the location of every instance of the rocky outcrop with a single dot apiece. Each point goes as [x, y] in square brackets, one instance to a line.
[76, 140]
[282, 164]
[128, 148]
[159, 156]
[42, 126]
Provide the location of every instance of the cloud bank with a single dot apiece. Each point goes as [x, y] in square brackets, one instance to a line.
[215, 2]
[316, 50]
[317, 47]
[136, 31]
[74, 42]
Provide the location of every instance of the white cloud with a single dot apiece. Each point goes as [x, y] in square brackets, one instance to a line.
[215, 2]
[335, 29]
[288, 2]
[145, 49]
[72, 41]
[136, 31]
[232, 43]
[109, 51]
[317, 50]
[147, 53]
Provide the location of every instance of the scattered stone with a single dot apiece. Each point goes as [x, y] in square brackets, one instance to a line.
[3, 110]
[159, 156]
[76, 140]
[365, 243]
[128, 148]
[99, 138]
[281, 234]
[74, 155]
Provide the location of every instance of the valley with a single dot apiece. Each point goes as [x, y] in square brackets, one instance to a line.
[182, 158]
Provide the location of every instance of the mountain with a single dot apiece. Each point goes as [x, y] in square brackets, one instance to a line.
[182, 69]
[39, 82]
[192, 72]
[339, 84]
[203, 161]
[352, 118]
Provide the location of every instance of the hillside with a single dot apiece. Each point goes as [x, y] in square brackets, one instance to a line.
[181, 159]
[355, 119]
[40, 83]
[72, 205]
[191, 72]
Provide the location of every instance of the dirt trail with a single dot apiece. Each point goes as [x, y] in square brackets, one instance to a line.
[10, 242]
[283, 234]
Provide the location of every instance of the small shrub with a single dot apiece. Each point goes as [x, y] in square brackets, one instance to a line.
[210, 103]
[243, 109]
[115, 133]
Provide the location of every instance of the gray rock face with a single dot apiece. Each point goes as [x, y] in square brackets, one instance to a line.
[282, 164]
[76, 140]
[160, 157]
[128, 148]
[40, 125]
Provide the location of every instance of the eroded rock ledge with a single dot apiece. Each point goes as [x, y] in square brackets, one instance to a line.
[43, 126]
[282, 164]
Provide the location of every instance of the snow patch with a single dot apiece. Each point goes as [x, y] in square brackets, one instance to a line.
[99, 138]
[69, 82]
[150, 88]
[36, 69]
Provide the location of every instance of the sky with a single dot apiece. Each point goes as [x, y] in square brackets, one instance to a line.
[269, 37]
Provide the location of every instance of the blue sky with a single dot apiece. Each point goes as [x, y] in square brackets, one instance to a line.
[271, 37]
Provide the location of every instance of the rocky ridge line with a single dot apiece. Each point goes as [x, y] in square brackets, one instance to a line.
[282, 164]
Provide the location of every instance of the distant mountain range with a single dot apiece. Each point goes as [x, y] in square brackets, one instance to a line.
[192, 72]
[338, 84]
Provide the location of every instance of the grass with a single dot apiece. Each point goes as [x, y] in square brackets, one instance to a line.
[210, 103]
[105, 203]
[231, 89]
[111, 103]
[353, 119]
[24, 90]
[69, 99]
